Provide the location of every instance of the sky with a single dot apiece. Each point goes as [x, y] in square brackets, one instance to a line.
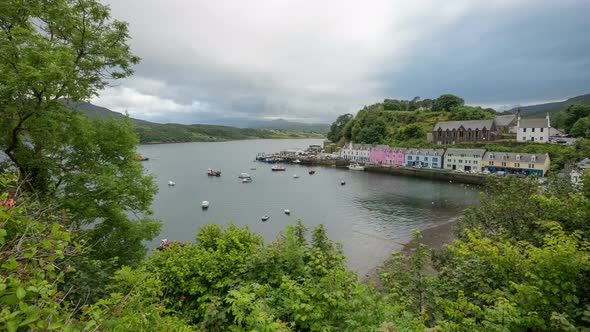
[310, 61]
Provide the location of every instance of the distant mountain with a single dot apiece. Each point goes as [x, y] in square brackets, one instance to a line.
[150, 132]
[274, 124]
[538, 111]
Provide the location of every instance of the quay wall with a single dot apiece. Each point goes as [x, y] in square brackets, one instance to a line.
[438, 175]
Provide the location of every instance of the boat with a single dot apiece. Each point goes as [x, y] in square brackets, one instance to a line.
[295, 176]
[265, 218]
[312, 172]
[211, 172]
[287, 211]
[205, 204]
[171, 183]
[141, 158]
[356, 167]
[278, 168]
[342, 182]
[246, 180]
[244, 176]
[297, 161]
[253, 168]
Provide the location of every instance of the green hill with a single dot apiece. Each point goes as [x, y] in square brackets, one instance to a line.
[150, 132]
[540, 110]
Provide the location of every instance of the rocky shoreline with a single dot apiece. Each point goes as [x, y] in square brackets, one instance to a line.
[434, 237]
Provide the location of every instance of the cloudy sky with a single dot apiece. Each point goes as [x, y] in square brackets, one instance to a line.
[310, 60]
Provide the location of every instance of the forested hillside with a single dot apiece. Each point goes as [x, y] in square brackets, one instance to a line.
[540, 110]
[403, 122]
[150, 132]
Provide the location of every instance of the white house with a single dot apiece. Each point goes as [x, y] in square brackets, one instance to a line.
[356, 152]
[533, 130]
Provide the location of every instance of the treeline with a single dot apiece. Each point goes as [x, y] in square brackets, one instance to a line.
[403, 122]
[575, 120]
[176, 133]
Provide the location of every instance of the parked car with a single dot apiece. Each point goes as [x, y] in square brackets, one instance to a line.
[500, 173]
[459, 171]
[485, 172]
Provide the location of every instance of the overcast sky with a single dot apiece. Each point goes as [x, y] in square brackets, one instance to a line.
[313, 60]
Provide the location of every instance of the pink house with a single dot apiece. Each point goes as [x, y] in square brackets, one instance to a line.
[386, 155]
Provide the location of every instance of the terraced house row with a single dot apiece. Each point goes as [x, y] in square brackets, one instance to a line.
[459, 160]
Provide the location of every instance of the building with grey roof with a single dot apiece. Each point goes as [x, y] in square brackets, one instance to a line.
[506, 123]
[466, 160]
[452, 132]
[533, 130]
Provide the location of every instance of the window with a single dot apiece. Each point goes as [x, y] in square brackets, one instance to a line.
[460, 161]
[425, 158]
[541, 129]
[434, 159]
[531, 165]
[448, 160]
[541, 138]
[516, 164]
[503, 163]
[523, 138]
[533, 130]
[491, 163]
[409, 157]
[524, 130]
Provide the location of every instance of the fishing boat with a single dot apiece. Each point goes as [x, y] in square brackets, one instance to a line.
[171, 183]
[287, 211]
[205, 204]
[265, 218]
[211, 172]
[246, 180]
[312, 172]
[244, 176]
[296, 161]
[356, 167]
[278, 168]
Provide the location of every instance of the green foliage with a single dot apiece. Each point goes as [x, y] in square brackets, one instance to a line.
[581, 128]
[472, 113]
[574, 119]
[445, 103]
[337, 127]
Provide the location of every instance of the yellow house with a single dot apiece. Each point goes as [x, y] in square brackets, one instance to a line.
[517, 163]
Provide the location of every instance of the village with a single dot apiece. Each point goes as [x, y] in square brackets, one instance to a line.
[463, 161]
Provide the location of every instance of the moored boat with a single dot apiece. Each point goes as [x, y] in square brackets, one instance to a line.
[265, 218]
[312, 172]
[287, 211]
[342, 182]
[295, 176]
[244, 176]
[211, 172]
[205, 204]
[171, 183]
[246, 180]
[278, 168]
[141, 158]
[297, 161]
[356, 167]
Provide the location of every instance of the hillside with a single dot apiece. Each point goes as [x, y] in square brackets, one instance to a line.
[150, 132]
[540, 110]
[279, 124]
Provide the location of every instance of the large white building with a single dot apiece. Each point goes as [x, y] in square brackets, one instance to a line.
[533, 130]
[356, 152]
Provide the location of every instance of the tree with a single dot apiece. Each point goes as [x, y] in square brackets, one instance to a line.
[336, 130]
[444, 103]
[472, 113]
[52, 52]
[581, 128]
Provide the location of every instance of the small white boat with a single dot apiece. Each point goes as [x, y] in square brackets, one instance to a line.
[342, 182]
[253, 168]
[356, 167]
[205, 204]
[246, 180]
[277, 168]
[295, 176]
[297, 161]
[244, 175]
[287, 211]
[171, 183]
[265, 218]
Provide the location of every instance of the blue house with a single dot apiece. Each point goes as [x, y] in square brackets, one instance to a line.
[427, 158]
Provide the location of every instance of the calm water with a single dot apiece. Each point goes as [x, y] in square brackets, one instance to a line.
[371, 215]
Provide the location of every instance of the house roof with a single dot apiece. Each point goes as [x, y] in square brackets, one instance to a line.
[505, 120]
[533, 123]
[466, 152]
[426, 152]
[516, 157]
[471, 124]
[362, 146]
